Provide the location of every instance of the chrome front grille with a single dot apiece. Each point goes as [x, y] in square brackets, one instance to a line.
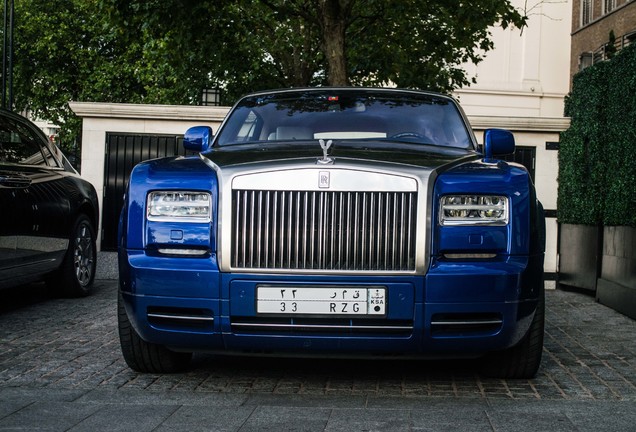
[323, 230]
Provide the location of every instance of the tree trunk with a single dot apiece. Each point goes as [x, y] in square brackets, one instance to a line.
[334, 17]
[301, 55]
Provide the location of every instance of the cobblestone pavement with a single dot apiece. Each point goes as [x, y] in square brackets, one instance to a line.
[63, 354]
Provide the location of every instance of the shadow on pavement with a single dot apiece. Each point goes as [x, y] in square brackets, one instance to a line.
[23, 296]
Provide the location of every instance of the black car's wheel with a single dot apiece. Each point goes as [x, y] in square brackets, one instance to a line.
[76, 275]
[143, 356]
[523, 359]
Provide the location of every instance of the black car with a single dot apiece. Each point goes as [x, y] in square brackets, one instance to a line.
[48, 214]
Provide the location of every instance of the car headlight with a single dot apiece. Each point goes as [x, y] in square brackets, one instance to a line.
[182, 206]
[473, 210]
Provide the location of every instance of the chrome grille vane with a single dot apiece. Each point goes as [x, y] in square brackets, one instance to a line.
[324, 230]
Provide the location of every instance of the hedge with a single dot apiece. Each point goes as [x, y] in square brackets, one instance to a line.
[597, 154]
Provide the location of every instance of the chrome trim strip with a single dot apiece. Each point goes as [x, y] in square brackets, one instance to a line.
[300, 271]
[180, 317]
[458, 256]
[34, 243]
[321, 326]
[183, 252]
[342, 180]
[465, 323]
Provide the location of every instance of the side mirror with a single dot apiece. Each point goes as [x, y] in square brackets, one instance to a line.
[198, 138]
[498, 142]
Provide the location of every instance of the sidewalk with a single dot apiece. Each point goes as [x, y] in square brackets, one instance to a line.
[61, 369]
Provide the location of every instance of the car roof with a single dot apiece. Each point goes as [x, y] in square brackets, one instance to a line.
[361, 90]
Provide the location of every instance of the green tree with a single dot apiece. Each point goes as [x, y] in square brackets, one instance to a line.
[168, 51]
[411, 43]
[64, 52]
[240, 46]
[249, 45]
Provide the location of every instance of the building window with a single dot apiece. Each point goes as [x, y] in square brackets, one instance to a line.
[586, 12]
[599, 55]
[608, 6]
[585, 60]
[211, 97]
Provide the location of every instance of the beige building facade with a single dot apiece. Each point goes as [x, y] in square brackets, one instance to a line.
[521, 86]
[527, 72]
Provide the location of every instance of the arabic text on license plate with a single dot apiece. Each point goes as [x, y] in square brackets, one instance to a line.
[321, 301]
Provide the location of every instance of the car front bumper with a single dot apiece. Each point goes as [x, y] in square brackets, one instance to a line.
[458, 309]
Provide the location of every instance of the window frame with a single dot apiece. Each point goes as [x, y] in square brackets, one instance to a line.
[30, 136]
[587, 7]
[608, 6]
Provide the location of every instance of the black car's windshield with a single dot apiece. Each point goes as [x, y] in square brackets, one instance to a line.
[346, 115]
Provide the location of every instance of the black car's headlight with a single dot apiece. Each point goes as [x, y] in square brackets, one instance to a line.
[179, 206]
[473, 210]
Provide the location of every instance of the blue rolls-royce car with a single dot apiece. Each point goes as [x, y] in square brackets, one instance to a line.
[48, 213]
[334, 222]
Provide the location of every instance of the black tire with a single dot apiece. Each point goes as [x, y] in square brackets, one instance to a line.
[143, 356]
[521, 361]
[76, 275]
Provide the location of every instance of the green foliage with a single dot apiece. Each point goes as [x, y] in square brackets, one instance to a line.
[64, 52]
[619, 148]
[580, 165]
[597, 174]
[423, 43]
[168, 51]
[246, 45]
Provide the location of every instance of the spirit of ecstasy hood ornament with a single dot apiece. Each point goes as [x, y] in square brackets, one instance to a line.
[325, 148]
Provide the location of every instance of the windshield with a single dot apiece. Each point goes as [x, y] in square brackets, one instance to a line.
[346, 115]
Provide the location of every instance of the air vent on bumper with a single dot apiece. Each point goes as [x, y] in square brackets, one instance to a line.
[465, 324]
[175, 318]
[327, 326]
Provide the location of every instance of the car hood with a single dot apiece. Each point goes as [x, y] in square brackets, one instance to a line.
[414, 155]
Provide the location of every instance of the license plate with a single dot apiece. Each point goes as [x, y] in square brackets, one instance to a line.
[320, 301]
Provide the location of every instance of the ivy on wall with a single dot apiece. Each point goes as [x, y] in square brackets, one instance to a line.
[597, 154]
